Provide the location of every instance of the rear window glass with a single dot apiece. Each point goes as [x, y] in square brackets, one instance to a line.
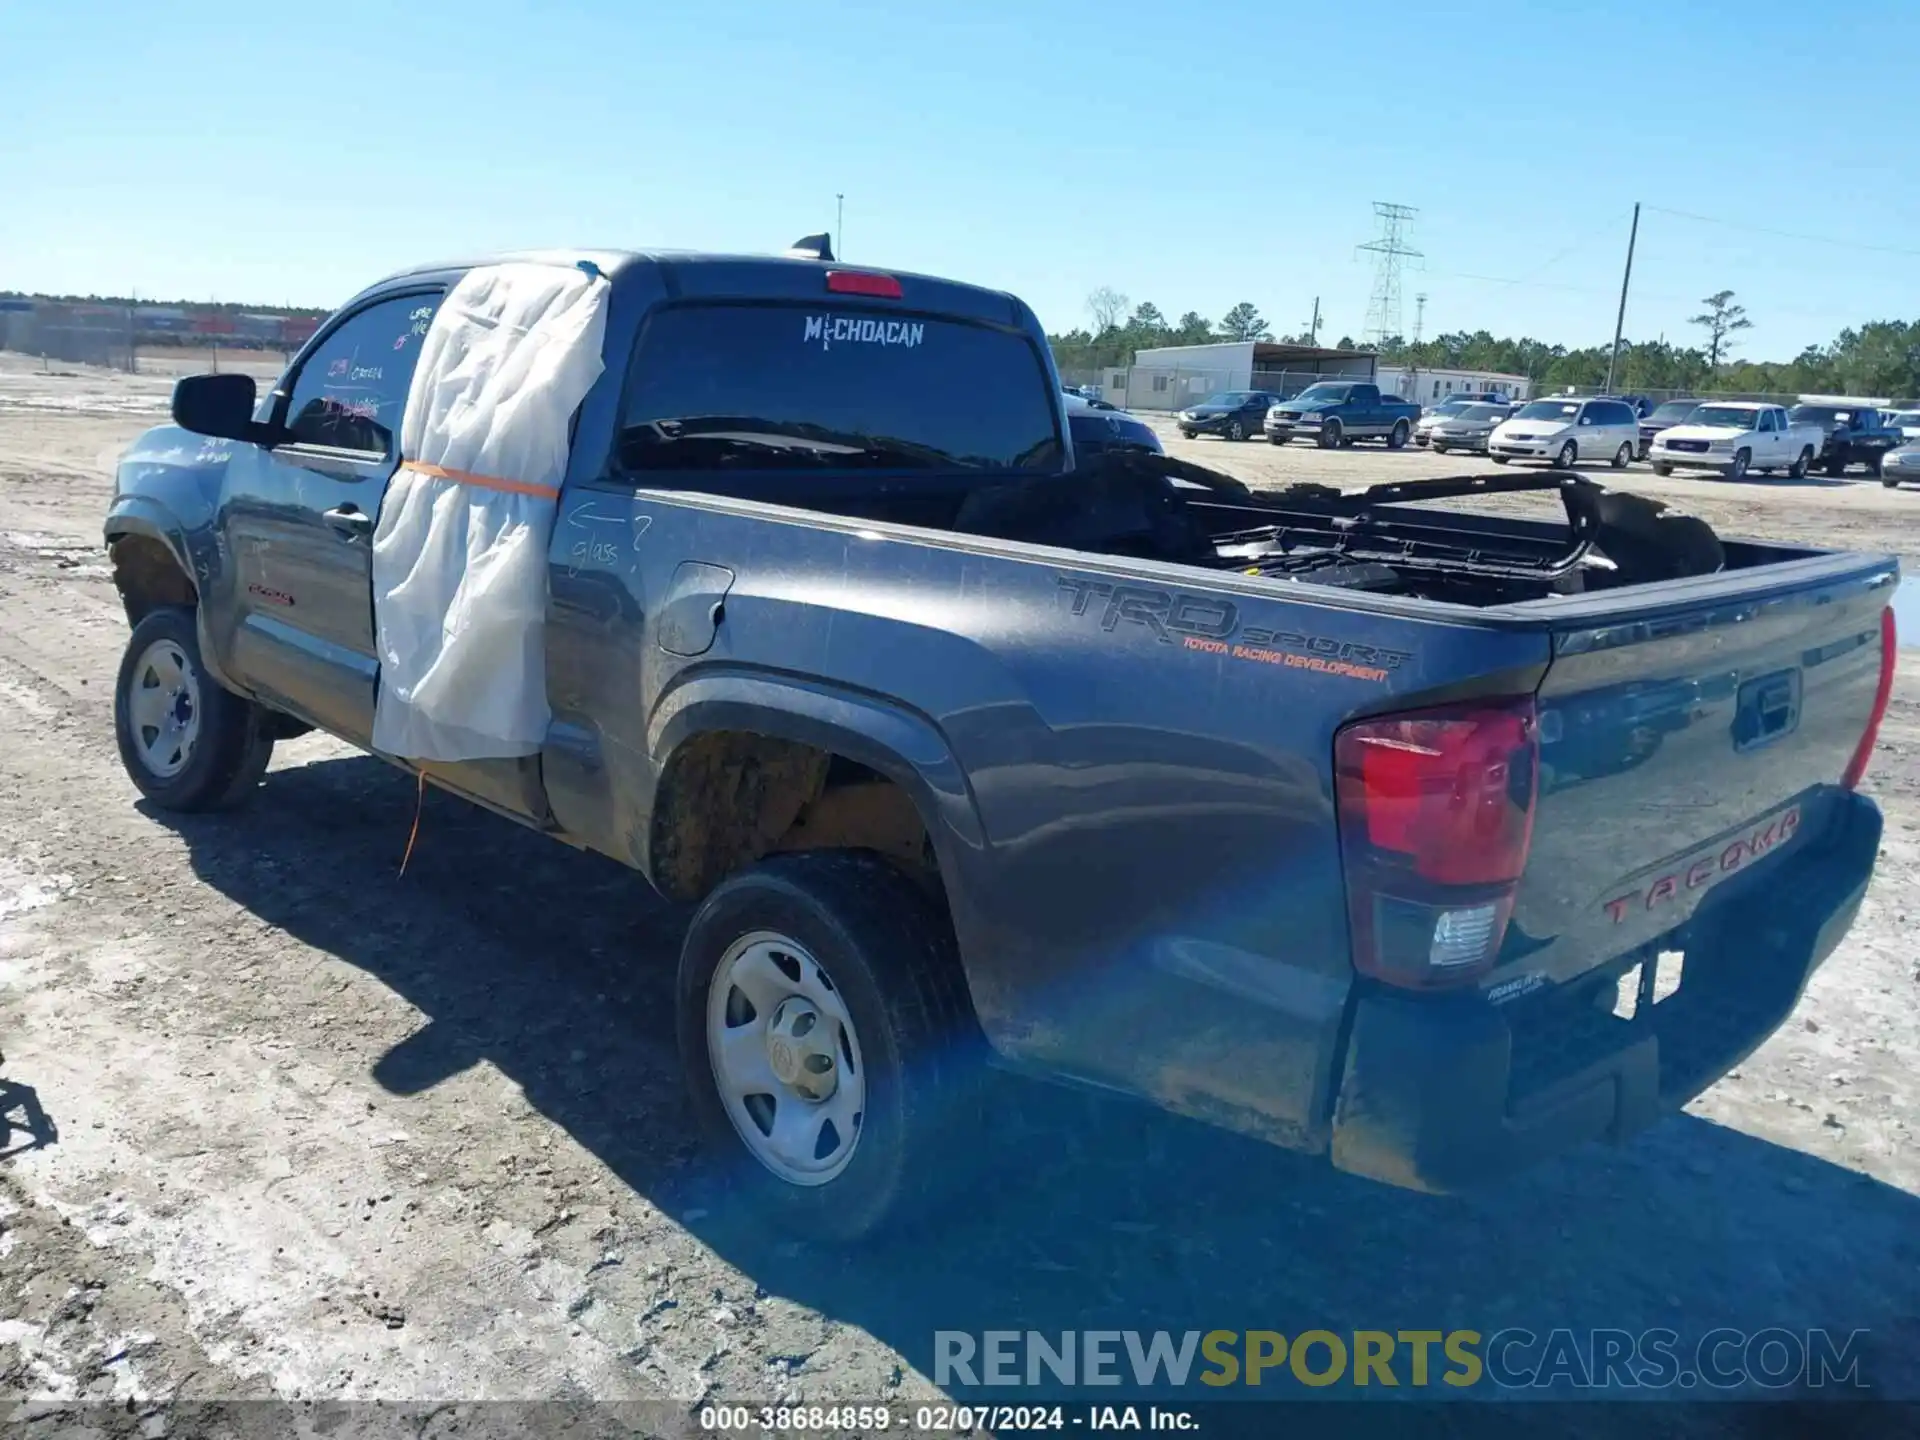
[762, 387]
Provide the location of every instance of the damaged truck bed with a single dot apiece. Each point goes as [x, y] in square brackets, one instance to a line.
[1336, 818]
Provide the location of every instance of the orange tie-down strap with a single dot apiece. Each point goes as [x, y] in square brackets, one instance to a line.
[485, 482]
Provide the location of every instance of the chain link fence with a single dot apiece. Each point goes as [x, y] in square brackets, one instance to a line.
[148, 340]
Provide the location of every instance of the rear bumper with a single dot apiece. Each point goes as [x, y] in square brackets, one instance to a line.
[1440, 1095]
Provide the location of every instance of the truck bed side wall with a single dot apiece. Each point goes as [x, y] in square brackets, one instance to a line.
[1126, 777]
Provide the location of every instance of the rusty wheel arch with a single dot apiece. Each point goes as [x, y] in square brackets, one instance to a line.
[730, 797]
[148, 575]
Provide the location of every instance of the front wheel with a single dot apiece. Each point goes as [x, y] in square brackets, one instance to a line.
[1397, 437]
[1330, 436]
[1742, 459]
[1278, 439]
[1569, 452]
[1798, 470]
[1662, 470]
[187, 743]
[1438, 448]
[1499, 459]
[827, 1041]
[1236, 431]
[1623, 457]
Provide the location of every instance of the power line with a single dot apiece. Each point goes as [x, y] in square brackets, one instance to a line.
[1785, 234]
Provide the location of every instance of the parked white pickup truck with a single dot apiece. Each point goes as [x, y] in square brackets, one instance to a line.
[1735, 437]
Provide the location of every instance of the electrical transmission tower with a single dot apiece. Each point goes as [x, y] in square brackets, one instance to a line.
[1390, 252]
[1419, 315]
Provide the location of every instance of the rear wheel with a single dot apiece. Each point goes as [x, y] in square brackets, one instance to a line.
[827, 1041]
[1331, 436]
[1742, 459]
[1397, 437]
[1623, 457]
[186, 742]
[1836, 466]
[1798, 470]
[1569, 453]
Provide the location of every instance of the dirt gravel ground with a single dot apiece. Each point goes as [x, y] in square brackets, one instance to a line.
[278, 1122]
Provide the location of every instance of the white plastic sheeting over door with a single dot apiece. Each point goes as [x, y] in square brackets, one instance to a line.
[460, 550]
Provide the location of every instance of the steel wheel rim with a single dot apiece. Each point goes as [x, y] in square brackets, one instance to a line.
[785, 1059]
[163, 709]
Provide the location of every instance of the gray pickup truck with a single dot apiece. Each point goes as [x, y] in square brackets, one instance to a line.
[1354, 822]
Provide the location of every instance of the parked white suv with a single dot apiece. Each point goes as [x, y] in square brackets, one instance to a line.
[1568, 430]
[1734, 437]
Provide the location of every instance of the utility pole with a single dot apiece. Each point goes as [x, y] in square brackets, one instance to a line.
[1620, 320]
[839, 227]
[1419, 316]
[1313, 330]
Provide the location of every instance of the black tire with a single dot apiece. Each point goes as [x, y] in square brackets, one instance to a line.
[1798, 470]
[229, 752]
[1642, 451]
[1236, 431]
[1742, 462]
[1330, 435]
[1397, 437]
[1438, 448]
[1569, 454]
[1836, 466]
[1623, 457]
[1278, 439]
[1889, 484]
[1186, 434]
[1662, 470]
[1500, 459]
[891, 955]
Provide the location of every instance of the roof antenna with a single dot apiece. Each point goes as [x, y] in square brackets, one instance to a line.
[812, 247]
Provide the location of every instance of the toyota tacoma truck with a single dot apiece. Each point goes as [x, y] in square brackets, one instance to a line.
[1336, 413]
[1358, 822]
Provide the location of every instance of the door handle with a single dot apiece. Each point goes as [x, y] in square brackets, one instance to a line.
[348, 522]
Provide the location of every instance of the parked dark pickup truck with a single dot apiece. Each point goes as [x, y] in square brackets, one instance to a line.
[1338, 412]
[1335, 819]
[1856, 435]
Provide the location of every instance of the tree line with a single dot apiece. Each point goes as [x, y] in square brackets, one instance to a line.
[1881, 357]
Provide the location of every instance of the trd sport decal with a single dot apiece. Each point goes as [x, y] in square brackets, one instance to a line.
[1212, 626]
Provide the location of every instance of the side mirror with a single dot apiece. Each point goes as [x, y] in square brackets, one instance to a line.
[217, 405]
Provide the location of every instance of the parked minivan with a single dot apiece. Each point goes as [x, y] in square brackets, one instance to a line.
[1569, 429]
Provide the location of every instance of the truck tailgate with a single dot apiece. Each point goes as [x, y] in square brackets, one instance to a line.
[1682, 740]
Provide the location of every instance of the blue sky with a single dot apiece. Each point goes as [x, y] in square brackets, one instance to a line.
[1194, 155]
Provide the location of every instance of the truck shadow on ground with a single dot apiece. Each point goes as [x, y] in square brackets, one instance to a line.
[1074, 1212]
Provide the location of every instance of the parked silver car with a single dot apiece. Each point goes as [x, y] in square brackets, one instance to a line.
[1901, 463]
[1469, 429]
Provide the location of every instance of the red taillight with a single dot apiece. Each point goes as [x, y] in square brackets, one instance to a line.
[856, 282]
[1889, 648]
[1436, 814]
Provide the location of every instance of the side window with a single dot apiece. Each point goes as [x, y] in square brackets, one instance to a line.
[1589, 415]
[1766, 421]
[352, 389]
